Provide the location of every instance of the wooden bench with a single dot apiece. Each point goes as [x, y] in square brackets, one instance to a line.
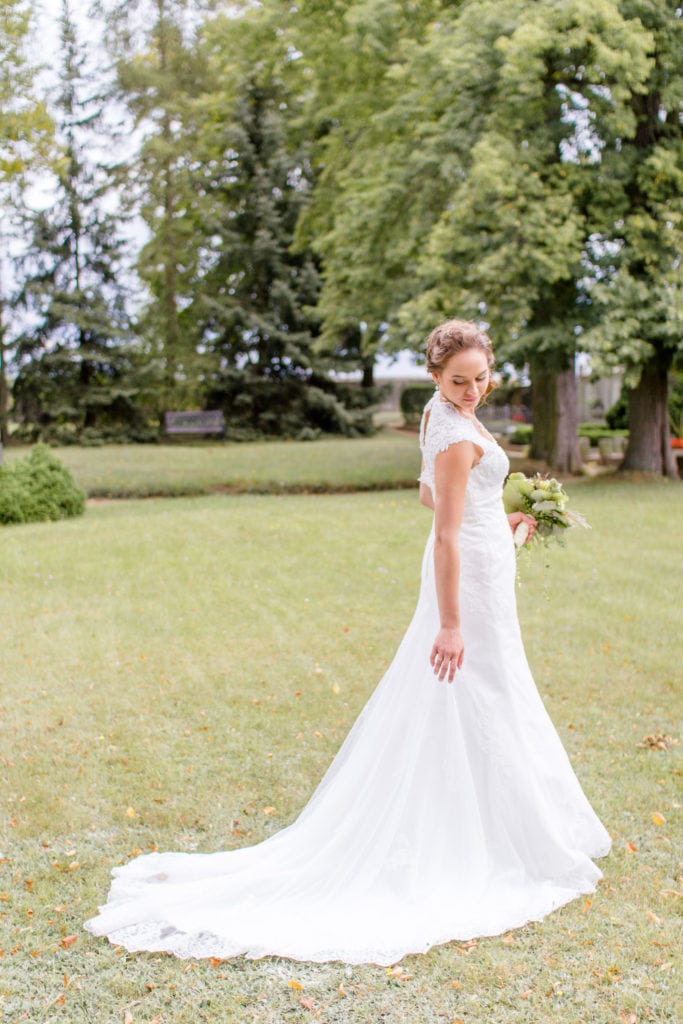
[210, 421]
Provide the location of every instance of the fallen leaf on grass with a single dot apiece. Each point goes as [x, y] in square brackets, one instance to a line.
[631, 848]
[628, 1018]
[658, 819]
[307, 1003]
[654, 918]
[587, 904]
[398, 974]
[468, 947]
[341, 991]
[268, 810]
[68, 941]
[295, 985]
[657, 741]
[131, 813]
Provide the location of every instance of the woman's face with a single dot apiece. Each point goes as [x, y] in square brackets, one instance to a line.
[464, 379]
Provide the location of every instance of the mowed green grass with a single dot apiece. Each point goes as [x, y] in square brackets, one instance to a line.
[388, 459]
[179, 673]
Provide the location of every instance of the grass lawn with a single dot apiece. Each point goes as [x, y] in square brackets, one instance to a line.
[389, 459]
[179, 673]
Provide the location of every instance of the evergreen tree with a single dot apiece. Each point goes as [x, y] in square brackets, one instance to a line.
[25, 140]
[252, 297]
[73, 364]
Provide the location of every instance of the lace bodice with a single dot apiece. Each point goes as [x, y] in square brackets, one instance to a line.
[442, 425]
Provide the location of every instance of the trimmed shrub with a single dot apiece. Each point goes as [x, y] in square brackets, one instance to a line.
[597, 431]
[414, 397]
[38, 488]
[521, 434]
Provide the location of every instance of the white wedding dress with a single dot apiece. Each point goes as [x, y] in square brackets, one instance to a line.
[450, 811]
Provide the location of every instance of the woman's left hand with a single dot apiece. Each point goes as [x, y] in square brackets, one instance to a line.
[515, 518]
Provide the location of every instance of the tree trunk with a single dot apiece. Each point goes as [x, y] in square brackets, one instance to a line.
[4, 387]
[649, 444]
[368, 366]
[554, 437]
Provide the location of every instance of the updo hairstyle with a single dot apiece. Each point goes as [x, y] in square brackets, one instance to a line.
[456, 336]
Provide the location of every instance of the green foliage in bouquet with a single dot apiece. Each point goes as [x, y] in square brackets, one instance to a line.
[546, 500]
[38, 488]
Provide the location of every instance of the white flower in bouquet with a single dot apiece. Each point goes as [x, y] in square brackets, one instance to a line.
[546, 500]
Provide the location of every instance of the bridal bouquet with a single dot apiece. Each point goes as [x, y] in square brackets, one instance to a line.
[546, 500]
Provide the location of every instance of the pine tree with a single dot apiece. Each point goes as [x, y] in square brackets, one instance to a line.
[74, 366]
[252, 295]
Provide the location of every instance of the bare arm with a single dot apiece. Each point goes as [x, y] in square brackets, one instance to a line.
[451, 472]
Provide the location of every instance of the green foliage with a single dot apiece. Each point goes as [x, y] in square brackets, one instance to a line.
[616, 416]
[38, 488]
[252, 298]
[596, 431]
[74, 364]
[25, 126]
[521, 434]
[254, 407]
[676, 404]
[413, 400]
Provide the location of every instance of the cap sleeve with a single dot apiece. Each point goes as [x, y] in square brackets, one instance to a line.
[441, 427]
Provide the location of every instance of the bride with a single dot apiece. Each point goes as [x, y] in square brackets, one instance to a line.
[451, 810]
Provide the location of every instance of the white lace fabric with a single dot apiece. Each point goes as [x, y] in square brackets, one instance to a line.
[450, 811]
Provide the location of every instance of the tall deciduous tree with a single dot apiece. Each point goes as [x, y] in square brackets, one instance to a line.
[72, 356]
[369, 202]
[637, 256]
[159, 73]
[25, 137]
[510, 244]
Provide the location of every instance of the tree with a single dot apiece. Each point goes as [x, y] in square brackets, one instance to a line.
[251, 295]
[25, 137]
[368, 201]
[72, 358]
[637, 255]
[509, 246]
[159, 73]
